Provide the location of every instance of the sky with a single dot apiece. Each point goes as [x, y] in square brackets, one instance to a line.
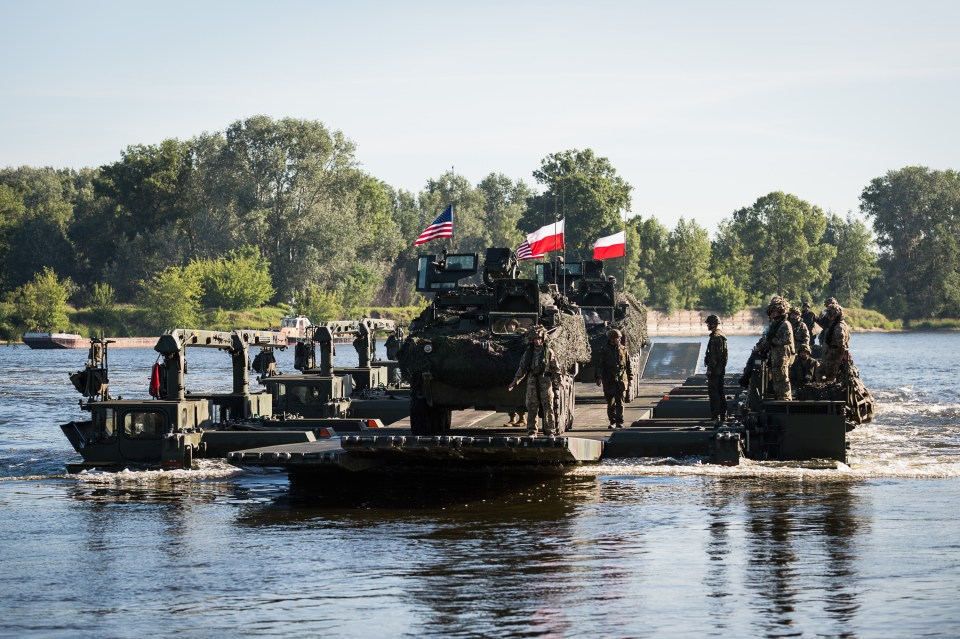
[702, 107]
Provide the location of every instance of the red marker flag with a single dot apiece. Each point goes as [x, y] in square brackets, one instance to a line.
[611, 246]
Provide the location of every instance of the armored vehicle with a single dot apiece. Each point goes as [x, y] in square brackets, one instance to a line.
[464, 349]
[603, 307]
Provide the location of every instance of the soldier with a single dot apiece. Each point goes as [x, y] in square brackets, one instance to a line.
[778, 345]
[539, 362]
[716, 363]
[615, 374]
[808, 318]
[804, 370]
[836, 342]
[822, 320]
[801, 334]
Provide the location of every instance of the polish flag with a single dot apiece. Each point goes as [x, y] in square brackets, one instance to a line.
[549, 238]
[611, 246]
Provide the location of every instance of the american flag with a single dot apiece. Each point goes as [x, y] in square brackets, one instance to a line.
[441, 227]
[524, 253]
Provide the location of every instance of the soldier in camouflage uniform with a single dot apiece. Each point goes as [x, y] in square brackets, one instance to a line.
[716, 363]
[539, 364]
[804, 369]
[615, 374]
[822, 320]
[836, 342]
[808, 318]
[778, 347]
[801, 334]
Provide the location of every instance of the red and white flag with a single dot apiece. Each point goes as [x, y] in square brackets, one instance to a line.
[611, 246]
[549, 238]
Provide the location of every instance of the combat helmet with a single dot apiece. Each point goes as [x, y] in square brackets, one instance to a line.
[837, 309]
[613, 332]
[803, 348]
[712, 319]
[536, 331]
[777, 303]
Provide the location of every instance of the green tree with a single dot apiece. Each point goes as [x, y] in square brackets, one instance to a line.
[239, 281]
[504, 202]
[688, 256]
[730, 260]
[721, 293]
[585, 190]
[916, 216]
[171, 299]
[855, 264]
[103, 305]
[41, 303]
[782, 235]
[320, 305]
[649, 261]
[147, 186]
[36, 209]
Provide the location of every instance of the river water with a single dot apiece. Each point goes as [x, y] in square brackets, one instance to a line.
[642, 548]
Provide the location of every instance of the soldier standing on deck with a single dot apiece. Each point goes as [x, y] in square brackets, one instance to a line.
[836, 342]
[716, 363]
[615, 374]
[808, 318]
[801, 334]
[539, 364]
[779, 346]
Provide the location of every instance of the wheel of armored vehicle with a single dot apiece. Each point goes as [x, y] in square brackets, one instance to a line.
[427, 420]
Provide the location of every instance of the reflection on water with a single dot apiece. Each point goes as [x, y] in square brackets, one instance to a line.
[632, 548]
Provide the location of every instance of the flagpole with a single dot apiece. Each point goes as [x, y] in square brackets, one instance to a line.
[623, 219]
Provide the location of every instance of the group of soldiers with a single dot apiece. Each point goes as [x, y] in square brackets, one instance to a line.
[614, 372]
[787, 347]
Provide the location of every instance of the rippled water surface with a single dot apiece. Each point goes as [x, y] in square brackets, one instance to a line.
[637, 548]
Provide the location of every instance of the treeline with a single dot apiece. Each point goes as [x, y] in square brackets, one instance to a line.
[270, 210]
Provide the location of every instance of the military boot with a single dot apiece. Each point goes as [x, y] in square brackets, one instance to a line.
[521, 421]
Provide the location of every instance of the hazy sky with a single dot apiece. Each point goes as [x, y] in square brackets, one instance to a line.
[701, 106]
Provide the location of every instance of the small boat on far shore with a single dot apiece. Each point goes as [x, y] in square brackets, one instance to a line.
[47, 340]
[44, 340]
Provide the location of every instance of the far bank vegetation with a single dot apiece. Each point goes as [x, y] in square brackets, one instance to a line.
[269, 217]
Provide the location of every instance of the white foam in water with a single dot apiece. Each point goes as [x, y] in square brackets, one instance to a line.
[205, 469]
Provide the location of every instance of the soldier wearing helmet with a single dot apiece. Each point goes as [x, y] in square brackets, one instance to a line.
[801, 335]
[777, 345]
[808, 317]
[716, 363]
[836, 342]
[539, 365]
[615, 375]
[804, 370]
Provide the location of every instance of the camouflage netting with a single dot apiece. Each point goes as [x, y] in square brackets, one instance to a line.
[859, 401]
[481, 359]
[633, 326]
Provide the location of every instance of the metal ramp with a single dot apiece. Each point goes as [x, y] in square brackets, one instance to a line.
[672, 360]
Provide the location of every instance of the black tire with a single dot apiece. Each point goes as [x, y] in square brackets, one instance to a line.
[426, 420]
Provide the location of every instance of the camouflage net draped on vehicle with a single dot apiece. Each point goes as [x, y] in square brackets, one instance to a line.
[848, 389]
[481, 360]
[634, 325]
